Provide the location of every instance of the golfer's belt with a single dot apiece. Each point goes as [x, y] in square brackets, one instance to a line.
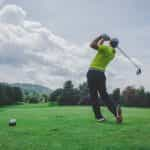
[93, 69]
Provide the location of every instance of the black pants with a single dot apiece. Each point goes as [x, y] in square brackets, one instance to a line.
[97, 84]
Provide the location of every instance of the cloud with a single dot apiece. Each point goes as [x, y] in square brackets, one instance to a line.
[12, 14]
[41, 56]
[1, 2]
[30, 52]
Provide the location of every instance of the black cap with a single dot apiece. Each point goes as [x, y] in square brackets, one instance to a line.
[114, 42]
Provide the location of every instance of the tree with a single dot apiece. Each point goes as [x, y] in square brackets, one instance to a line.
[136, 97]
[34, 98]
[147, 96]
[18, 95]
[69, 95]
[2, 94]
[68, 85]
[9, 95]
[83, 88]
[45, 98]
[55, 95]
[129, 96]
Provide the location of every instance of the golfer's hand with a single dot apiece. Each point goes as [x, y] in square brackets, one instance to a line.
[105, 37]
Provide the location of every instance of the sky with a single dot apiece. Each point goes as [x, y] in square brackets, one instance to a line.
[47, 42]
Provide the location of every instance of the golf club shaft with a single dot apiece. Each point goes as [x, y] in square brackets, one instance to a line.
[128, 58]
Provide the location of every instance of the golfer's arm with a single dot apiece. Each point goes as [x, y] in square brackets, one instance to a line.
[98, 41]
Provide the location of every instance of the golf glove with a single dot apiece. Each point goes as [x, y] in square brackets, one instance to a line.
[105, 37]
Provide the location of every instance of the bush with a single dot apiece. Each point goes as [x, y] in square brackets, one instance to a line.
[53, 104]
[10, 95]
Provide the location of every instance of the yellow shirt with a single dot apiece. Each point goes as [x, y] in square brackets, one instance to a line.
[105, 54]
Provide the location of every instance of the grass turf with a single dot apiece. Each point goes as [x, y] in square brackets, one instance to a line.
[40, 127]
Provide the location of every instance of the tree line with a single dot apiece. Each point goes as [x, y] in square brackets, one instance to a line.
[10, 95]
[69, 95]
[15, 95]
[130, 96]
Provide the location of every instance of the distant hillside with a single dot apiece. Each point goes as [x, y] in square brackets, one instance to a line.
[33, 88]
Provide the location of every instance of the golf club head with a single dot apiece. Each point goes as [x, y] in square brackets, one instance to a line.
[139, 71]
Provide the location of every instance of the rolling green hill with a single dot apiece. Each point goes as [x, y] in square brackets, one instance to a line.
[33, 88]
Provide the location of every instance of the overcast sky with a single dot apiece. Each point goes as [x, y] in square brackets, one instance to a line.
[46, 41]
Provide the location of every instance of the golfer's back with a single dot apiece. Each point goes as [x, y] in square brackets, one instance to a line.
[103, 57]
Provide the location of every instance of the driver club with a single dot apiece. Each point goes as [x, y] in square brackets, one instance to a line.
[139, 71]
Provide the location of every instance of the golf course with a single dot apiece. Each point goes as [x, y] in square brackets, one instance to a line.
[44, 127]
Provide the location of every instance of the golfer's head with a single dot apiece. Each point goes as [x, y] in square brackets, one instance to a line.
[114, 42]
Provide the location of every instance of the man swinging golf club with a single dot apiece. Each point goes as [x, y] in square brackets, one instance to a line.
[96, 76]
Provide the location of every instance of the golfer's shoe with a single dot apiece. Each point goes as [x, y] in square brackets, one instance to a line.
[119, 117]
[101, 119]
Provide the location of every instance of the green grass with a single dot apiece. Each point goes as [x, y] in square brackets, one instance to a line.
[40, 127]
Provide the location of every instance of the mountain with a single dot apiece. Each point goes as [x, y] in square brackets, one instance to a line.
[33, 88]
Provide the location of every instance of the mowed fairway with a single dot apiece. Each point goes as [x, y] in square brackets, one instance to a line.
[40, 127]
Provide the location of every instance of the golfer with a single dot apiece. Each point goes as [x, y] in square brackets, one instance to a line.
[96, 76]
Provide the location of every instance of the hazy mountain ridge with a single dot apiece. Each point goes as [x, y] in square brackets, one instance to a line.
[33, 88]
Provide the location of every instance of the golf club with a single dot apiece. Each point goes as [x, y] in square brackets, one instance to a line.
[139, 71]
